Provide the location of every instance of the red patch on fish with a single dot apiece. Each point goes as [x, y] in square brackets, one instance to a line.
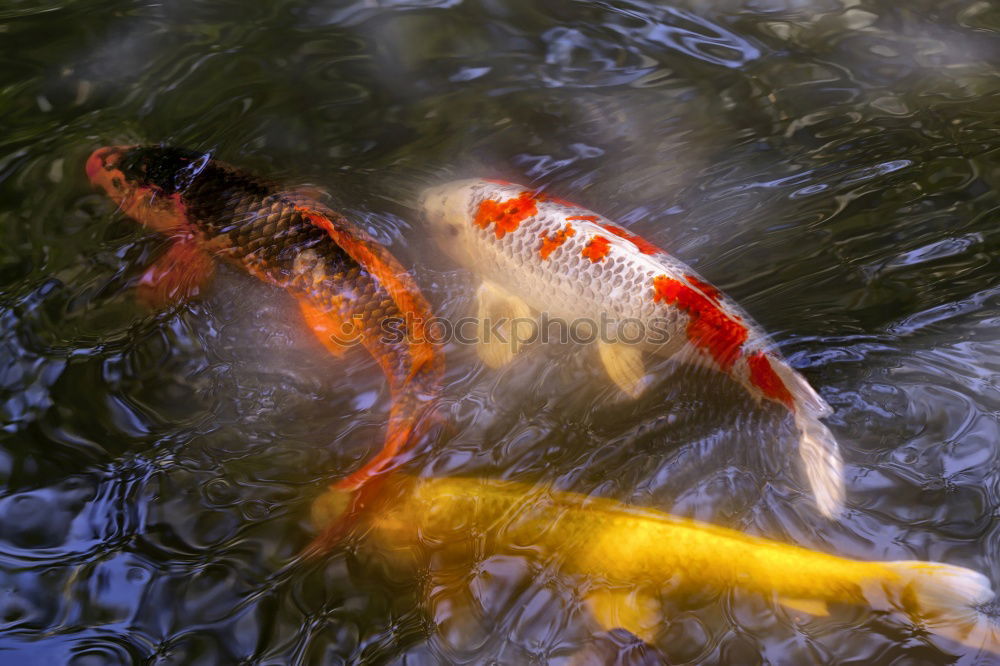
[550, 243]
[506, 216]
[589, 218]
[763, 376]
[597, 248]
[709, 328]
[640, 243]
[705, 287]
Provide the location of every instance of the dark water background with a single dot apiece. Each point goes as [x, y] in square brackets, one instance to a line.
[833, 165]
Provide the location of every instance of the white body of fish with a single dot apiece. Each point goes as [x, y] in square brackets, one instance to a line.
[537, 254]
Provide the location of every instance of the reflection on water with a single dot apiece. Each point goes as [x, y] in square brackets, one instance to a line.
[832, 165]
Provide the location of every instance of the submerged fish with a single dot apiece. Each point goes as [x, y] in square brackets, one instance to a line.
[538, 254]
[627, 556]
[347, 285]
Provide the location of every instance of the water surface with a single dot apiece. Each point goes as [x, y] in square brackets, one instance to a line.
[833, 165]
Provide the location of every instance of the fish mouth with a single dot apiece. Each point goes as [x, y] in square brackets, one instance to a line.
[426, 197]
[104, 160]
[436, 203]
[443, 208]
[104, 171]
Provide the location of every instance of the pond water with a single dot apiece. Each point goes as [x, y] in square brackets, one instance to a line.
[833, 165]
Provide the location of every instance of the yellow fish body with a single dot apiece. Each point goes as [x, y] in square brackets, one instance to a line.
[630, 554]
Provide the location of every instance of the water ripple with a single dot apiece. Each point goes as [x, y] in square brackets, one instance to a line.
[831, 165]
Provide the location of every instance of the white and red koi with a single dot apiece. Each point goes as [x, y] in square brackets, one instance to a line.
[540, 254]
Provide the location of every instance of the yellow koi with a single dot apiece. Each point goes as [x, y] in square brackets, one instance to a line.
[629, 555]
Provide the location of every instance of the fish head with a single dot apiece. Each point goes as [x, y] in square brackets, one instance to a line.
[329, 508]
[146, 182]
[447, 209]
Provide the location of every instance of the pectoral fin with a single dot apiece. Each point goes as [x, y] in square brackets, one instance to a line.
[179, 274]
[502, 318]
[633, 610]
[328, 328]
[624, 366]
[875, 594]
[808, 606]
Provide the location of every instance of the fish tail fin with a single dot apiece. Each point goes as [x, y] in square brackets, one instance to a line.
[410, 417]
[824, 467]
[397, 440]
[333, 512]
[945, 598]
[822, 462]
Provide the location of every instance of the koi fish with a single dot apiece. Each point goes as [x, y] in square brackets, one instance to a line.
[347, 285]
[539, 254]
[626, 557]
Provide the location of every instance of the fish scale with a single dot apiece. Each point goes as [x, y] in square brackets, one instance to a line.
[271, 238]
[619, 286]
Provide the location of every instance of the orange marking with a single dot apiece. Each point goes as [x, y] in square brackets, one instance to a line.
[327, 327]
[590, 218]
[640, 243]
[165, 214]
[391, 275]
[763, 376]
[597, 248]
[550, 243]
[507, 215]
[707, 289]
[709, 328]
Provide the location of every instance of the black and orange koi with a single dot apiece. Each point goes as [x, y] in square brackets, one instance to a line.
[347, 285]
